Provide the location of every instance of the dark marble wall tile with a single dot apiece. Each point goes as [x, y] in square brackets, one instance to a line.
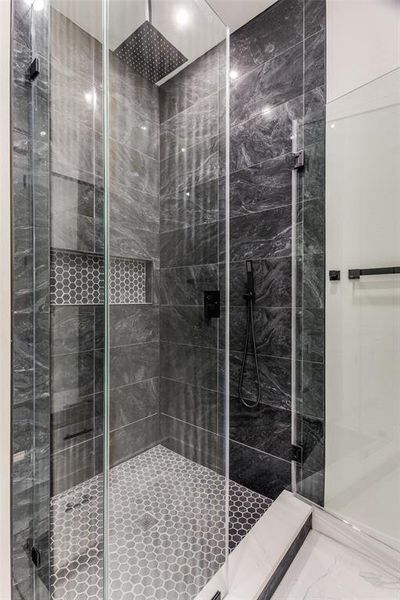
[190, 364]
[132, 128]
[274, 378]
[72, 329]
[258, 471]
[272, 280]
[311, 325]
[274, 82]
[72, 376]
[196, 245]
[193, 405]
[312, 281]
[312, 486]
[194, 443]
[131, 364]
[131, 403]
[314, 61]
[261, 235]
[313, 443]
[188, 167]
[263, 427]
[197, 81]
[196, 124]
[265, 136]
[261, 187]
[314, 116]
[133, 324]
[315, 16]
[133, 439]
[187, 325]
[272, 330]
[73, 465]
[311, 389]
[186, 285]
[132, 169]
[73, 425]
[268, 35]
[192, 205]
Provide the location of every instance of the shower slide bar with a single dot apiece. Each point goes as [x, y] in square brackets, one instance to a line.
[357, 273]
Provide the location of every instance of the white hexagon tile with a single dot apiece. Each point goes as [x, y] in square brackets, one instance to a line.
[167, 530]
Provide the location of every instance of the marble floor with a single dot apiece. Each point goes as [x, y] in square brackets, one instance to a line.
[327, 570]
[167, 530]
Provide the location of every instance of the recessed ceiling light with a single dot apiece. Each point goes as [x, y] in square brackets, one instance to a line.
[233, 74]
[333, 126]
[182, 17]
[38, 5]
[91, 98]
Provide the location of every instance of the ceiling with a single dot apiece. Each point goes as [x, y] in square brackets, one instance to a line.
[192, 26]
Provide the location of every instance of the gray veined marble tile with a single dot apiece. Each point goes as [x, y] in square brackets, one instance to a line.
[130, 364]
[194, 405]
[76, 150]
[129, 89]
[265, 136]
[126, 241]
[190, 166]
[272, 330]
[78, 52]
[72, 376]
[133, 208]
[187, 325]
[194, 365]
[312, 227]
[274, 375]
[133, 170]
[272, 279]
[314, 116]
[192, 205]
[185, 285]
[315, 16]
[261, 235]
[267, 35]
[313, 443]
[191, 126]
[310, 389]
[133, 324]
[262, 427]
[197, 81]
[76, 97]
[131, 403]
[314, 173]
[274, 82]
[72, 329]
[313, 281]
[133, 439]
[258, 471]
[72, 465]
[191, 246]
[314, 61]
[72, 195]
[132, 128]
[261, 187]
[311, 329]
[73, 425]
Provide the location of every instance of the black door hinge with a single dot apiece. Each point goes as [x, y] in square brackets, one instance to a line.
[299, 160]
[34, 69]
[216, 596]
[35, 554]
[297, 453]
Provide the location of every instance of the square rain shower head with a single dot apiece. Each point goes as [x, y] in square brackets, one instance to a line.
[149, 53]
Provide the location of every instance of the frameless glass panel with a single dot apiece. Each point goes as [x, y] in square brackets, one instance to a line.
[77, 298]
[166, 119]
[363, 325]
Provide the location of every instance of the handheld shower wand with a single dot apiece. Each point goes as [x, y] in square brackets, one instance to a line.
[250, 298]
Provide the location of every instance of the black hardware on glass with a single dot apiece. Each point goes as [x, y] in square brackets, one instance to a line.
[299, 159]
[216, 596]
[297, 453]
[35, 555]
[334, 275]
[34, 69]
[212, 305]
[250, 297]
[357, 273]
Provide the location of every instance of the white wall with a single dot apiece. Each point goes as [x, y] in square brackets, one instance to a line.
[363, 42]
[363, 230]
[5, 592]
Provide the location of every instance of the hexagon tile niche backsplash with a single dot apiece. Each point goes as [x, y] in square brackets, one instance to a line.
[78, 279]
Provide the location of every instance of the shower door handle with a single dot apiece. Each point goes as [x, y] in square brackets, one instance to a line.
[212, 305]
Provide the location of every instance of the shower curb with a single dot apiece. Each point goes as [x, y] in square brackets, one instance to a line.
[251, 570]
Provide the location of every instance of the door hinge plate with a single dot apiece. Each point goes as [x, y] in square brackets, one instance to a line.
[299, 159]
[297, 453]
[35, 554]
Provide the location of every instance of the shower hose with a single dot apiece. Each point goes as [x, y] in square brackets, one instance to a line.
[250, 300]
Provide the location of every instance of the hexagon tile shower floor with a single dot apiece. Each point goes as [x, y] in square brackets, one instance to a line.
[166, 530]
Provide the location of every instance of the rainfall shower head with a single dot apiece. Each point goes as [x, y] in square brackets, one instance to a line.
[149, 53]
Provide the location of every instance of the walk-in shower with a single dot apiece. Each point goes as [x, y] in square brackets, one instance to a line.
[168, 297]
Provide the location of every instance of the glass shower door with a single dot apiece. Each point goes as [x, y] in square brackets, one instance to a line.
[165, 250]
